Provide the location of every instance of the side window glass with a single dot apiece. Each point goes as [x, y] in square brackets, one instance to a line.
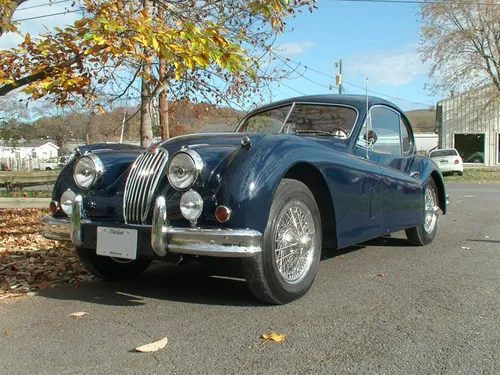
[386, 124]
[405, 137]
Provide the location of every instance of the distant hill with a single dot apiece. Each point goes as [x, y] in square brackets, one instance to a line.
[422, 120]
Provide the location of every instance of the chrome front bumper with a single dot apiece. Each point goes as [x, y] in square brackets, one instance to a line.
[164, 238]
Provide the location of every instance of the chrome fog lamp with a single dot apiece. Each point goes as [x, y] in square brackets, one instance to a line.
[87, 171]
[184, 168]
[191, 205]
[67, 199]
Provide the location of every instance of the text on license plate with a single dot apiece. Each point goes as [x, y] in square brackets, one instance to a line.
[117, 242]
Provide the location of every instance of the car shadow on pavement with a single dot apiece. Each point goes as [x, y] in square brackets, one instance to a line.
[221, 283]
[188, 283]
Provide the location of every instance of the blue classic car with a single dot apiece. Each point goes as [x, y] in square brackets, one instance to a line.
[296, 176]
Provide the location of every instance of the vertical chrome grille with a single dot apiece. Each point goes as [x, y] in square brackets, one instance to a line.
[141, 184]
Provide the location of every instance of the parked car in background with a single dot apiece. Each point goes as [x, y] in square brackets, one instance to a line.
[476, 157]
[448, 160]
[49, 164]
[295, 176]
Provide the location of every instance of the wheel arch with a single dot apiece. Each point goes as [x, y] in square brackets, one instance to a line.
[436, 176]
[315, 181]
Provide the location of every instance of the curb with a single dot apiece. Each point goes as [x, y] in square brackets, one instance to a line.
[24, 202]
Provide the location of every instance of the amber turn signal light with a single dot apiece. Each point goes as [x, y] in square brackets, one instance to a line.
[53, 207]
[222, 214]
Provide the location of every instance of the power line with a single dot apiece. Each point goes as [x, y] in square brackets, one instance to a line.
[43, 5]
[47, 15]
[351, 84]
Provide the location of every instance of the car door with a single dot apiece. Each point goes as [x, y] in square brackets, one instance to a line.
[393, 151]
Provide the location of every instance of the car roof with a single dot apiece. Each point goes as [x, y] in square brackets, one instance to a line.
[444, 149]
[357, 101]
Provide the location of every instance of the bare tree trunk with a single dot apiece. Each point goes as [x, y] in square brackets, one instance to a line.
[164, 123]
[146, 99]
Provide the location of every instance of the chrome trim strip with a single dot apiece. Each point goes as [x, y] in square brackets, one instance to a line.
[77, 216]
[56, 228]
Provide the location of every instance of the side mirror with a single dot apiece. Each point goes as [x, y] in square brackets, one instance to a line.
[372, 137]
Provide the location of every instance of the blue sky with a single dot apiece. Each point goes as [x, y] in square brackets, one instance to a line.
[375, 41]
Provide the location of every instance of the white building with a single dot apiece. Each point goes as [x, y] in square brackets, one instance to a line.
[470, 122]
[41, 149]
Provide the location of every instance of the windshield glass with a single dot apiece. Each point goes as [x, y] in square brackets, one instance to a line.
[322, 119]
[316, 119]
[266, 122]
[441, 153]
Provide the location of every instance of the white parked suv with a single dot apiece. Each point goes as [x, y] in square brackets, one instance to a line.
[448, 160]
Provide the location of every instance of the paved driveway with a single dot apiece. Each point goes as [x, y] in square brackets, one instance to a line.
[435, 310]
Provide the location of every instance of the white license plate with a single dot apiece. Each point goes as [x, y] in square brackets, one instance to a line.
[117, 242]
[444, 161]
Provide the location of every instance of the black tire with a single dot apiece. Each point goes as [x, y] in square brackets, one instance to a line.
[107, 268]
[477, 160]
[261, 272]
[48, 169]
[418, 235]
[460, 173]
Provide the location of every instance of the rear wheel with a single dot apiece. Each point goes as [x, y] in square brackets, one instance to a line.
[107, 268]
[425, 233]
[291, 247]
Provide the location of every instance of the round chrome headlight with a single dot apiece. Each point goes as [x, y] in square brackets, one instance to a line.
[66, 202]
[191, 205]
[184, 168]
[87, 171]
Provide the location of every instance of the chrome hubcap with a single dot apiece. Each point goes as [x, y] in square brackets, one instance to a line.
[294, 242]
[431, 210]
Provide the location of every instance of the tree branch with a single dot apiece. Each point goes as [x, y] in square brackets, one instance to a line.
[44, 73]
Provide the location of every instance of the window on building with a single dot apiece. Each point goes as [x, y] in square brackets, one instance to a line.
[470, 147]
[498, 147]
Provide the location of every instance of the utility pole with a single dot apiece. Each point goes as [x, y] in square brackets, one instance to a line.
[339, 76]
[124, 121]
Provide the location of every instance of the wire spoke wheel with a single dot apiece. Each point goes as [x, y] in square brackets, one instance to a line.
[294, 242]
[431, 210]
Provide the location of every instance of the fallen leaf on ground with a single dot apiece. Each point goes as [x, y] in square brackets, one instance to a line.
[79, 314]
[274, 337]
[382, 275]
[30, 262]
[465, 248]
[153, 347]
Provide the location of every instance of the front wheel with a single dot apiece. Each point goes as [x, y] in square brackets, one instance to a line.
[291, 247]
[425, 233]
[107, 268]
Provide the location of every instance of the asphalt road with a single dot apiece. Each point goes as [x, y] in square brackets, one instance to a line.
[435, 312]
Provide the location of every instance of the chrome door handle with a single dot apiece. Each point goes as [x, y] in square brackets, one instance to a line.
[415, 174]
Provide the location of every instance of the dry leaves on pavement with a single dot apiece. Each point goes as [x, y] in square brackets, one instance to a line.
[79, 314]
[276, 337]
[30, 262]
[153, 347]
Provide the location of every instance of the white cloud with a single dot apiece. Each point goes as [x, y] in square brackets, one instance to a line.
[293, 49]
[393, 67]
[40, 25]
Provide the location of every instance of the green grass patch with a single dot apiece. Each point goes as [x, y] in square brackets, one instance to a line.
[26, 194]
[475, 176]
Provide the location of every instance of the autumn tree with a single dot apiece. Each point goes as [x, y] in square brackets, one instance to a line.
[461, 40]
[202, 45]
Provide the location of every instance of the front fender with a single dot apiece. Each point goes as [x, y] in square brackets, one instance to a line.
[428, 169]
[251, 175]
